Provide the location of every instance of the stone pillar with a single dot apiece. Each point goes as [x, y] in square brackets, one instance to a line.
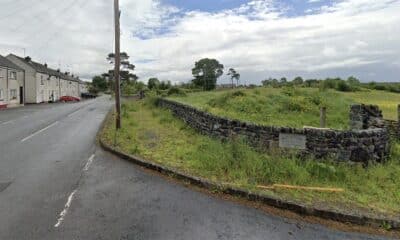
[365, 117]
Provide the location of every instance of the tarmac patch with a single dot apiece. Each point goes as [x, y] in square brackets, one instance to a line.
[4, 185]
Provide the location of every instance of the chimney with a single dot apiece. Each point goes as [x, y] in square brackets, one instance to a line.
[58, 70]
[28, 59]
[45, 65]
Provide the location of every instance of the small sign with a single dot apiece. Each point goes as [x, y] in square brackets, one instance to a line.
[296, 141]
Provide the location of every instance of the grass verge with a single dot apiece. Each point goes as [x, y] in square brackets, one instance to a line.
[154, 134]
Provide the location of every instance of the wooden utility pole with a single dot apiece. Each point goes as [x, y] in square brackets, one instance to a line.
[322, 117]
[117, 65]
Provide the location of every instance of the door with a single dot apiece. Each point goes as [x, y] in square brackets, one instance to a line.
[21, 95]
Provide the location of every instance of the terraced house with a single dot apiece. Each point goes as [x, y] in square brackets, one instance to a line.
[11, 84]
[44, 84]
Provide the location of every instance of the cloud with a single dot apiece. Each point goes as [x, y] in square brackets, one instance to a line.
[357, 34]
[259, 39]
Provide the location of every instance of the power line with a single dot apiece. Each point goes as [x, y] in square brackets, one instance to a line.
[56, 32]
[29, 5]
[37, 17]
[65, 9]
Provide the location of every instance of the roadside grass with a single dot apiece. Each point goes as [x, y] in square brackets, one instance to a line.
[156, 135]
[292, 107]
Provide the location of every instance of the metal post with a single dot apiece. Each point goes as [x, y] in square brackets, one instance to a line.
[322, 120]
[117, 64]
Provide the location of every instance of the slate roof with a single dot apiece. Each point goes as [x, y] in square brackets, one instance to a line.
[7, 63]
[46, 70]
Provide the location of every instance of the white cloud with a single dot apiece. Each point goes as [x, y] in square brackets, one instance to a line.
[354, 37]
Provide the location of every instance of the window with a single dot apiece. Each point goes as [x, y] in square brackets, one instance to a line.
[13, 94]
[1, 73]
[41, 80]
[1, 94]
[13, 75]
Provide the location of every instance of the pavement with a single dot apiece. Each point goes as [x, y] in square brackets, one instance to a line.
[56, 183]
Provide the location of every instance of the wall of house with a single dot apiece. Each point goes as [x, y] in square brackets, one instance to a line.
[353, 145]
[10, 92]
[30, 79]
[13, 86]
[83, 88]
[42, 91]
[3, 86]
[69, 88]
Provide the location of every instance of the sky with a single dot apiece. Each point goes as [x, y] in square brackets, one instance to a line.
[259, 38]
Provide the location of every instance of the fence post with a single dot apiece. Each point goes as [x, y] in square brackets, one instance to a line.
[398, 122]
[322, 117]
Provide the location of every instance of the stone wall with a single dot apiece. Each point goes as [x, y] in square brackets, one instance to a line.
[393, 127]
[365, 116]
[353, 145]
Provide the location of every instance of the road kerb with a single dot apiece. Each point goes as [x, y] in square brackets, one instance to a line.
[298, 208]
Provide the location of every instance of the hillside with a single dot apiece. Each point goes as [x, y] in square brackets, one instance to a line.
[294, 107]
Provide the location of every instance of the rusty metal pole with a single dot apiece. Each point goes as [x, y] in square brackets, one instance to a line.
[117, 65]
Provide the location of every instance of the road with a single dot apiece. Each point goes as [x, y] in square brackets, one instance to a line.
[55, 183]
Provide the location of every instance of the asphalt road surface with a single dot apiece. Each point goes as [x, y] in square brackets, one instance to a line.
[55, 183]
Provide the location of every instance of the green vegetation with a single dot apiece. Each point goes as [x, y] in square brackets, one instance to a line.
[156, 135]
[289, 106]
[352, 84]
[294, 107]
[206, 72]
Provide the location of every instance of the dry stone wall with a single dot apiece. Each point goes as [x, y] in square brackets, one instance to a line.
[353, 145]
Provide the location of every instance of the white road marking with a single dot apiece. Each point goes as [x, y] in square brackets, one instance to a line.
[42, 130]
[65, 210]
[86, 168]
[75, 112]
[4, 123]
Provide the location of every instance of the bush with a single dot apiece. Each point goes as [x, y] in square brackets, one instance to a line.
[380, 87]
[343, 86]
[175, 91]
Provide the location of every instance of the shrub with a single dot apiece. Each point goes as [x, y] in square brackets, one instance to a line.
[176, 92]
[380, 87]
[343, 86]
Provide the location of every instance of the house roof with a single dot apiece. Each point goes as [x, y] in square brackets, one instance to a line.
[43, 68]
[7, 63]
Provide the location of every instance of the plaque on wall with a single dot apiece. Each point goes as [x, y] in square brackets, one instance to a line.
[295, 141]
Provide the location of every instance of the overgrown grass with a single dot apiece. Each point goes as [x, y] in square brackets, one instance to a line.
[293, 107]
[156, 135]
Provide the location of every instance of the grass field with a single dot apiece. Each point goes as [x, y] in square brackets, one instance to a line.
[156, 135]
[289, 107]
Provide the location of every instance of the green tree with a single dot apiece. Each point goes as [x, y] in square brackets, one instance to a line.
[164, 85]
[153, 83]
[234, 75]
[270, 82]
[206, 72]
[99, 84]
[283, 80]
[353, 81]
[298, 81]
